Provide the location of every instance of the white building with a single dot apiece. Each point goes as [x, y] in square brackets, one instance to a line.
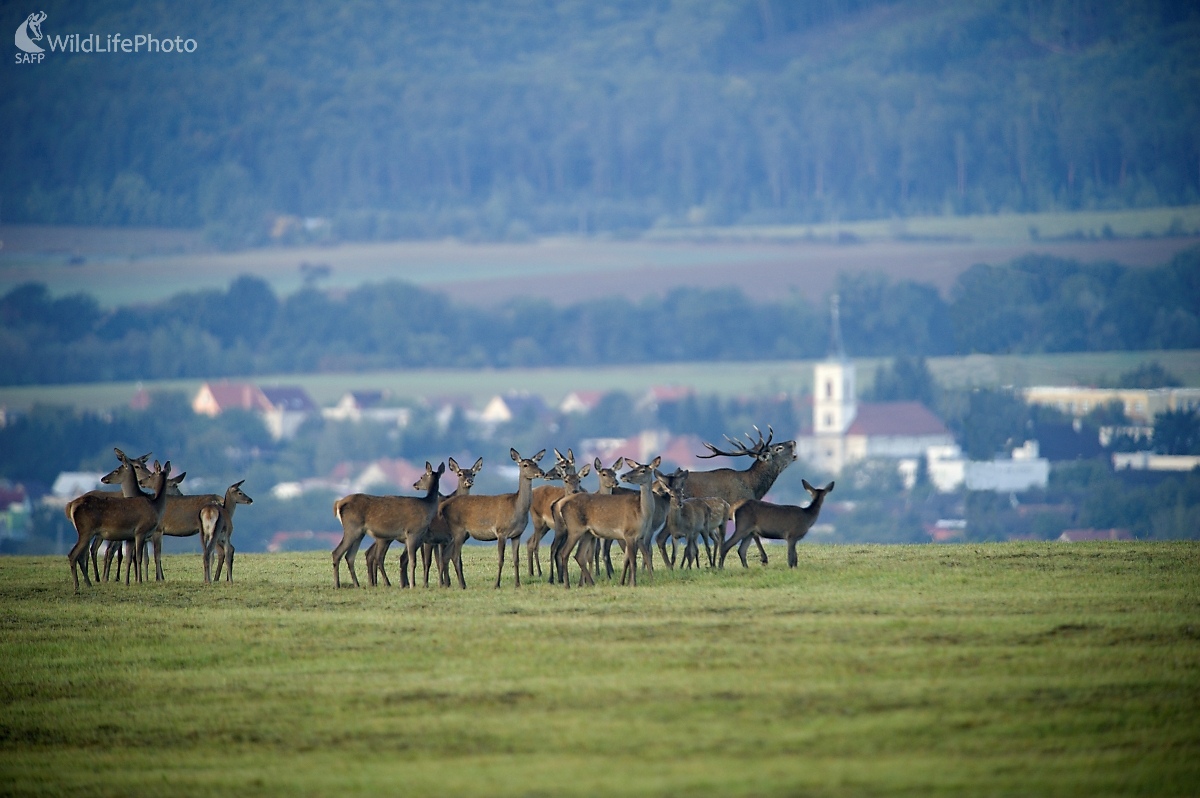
[949, 471]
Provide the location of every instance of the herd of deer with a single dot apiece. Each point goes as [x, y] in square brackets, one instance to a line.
[688, 506]
[149, 506]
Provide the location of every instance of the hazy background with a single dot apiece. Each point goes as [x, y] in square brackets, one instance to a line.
[515, 119]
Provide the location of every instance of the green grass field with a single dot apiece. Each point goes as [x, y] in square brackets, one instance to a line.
[994, 669]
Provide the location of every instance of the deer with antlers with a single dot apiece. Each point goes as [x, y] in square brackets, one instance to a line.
[404, 518]
[733, 486]
[775, 522]
[116, 518]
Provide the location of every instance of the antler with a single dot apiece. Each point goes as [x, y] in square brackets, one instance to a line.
[740, 448]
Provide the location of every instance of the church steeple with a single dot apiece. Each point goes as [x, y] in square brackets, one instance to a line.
[837, 350]
[835, 400]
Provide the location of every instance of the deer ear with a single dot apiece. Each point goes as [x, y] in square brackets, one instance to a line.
[453, 465]
[829, 487]
[587, 469]
[513, 454]
[618, 464]
[236, 484]
[478, 465]
[655, 462]
[598, 464]
[808, 487]
[441, 469]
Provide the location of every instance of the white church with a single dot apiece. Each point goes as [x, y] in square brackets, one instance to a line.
[845, 430]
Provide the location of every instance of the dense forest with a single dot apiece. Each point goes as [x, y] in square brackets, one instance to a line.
[1034, 304]
[503, 120]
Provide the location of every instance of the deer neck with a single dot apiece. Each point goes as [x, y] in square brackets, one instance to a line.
[230, 504]
[762, 475]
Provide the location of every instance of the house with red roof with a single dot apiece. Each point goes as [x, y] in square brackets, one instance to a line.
[282, 408]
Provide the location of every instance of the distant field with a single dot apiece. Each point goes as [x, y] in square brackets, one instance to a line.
[140, 265]
[958, 670]
[723, 379]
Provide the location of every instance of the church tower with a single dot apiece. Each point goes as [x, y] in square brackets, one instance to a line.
[835, 400]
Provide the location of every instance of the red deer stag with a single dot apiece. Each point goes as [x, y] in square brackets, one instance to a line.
[734, 486]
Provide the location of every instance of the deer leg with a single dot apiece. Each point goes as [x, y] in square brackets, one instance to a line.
[382, 547]
[608, 566]
[156, 539]
[583, 557]
[661, 540]
[792, 559]
[229, 569]
[93, 547]
[761, 551]
[556, 543]
[744, 547]
[371, 557]
[728, 544]
[533, 549]
[516, 558]
[456, 558]
[78, 550]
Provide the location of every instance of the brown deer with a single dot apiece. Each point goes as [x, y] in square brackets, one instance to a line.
[115, 518]
[540, 514]
[404, 518]
[500, 518]
[624, 517]
[775, 522]
[216, 531]
[572, 485]
[753, 483]
[688, 520]
[610, 483]
[125, 475]
[436, 539]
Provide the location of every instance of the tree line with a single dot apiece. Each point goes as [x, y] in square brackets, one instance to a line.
[498, 121]
[1034, 304]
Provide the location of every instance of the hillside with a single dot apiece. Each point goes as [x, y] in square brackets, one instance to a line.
[505, 120]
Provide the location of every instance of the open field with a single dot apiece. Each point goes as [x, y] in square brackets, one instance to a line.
[722, 379]
[142, 265]
[993, 669]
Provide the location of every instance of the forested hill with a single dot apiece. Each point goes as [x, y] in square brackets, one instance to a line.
[528, 116]
[1035, 304]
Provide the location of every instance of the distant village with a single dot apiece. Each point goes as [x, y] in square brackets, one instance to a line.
[838, 431]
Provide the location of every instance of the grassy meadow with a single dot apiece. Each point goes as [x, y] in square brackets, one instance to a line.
[994, 669]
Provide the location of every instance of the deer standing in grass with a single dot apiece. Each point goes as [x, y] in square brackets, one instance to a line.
[688, 520]
[624, 517]
[500, 518]
[572, 485]
[126, 476]
[216, 531]
[734, 486]
[610, 483]
[404, 518]
[775, 522]
[115, 518]
[540, 513]
[437, 537]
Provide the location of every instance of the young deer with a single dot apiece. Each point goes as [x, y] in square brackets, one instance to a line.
[404, 518]
[687, 520]
[734, 486]
[775, 522]
[115, 518]
[624, 517]
[216, 531]
[500, 518]
[572, 485]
